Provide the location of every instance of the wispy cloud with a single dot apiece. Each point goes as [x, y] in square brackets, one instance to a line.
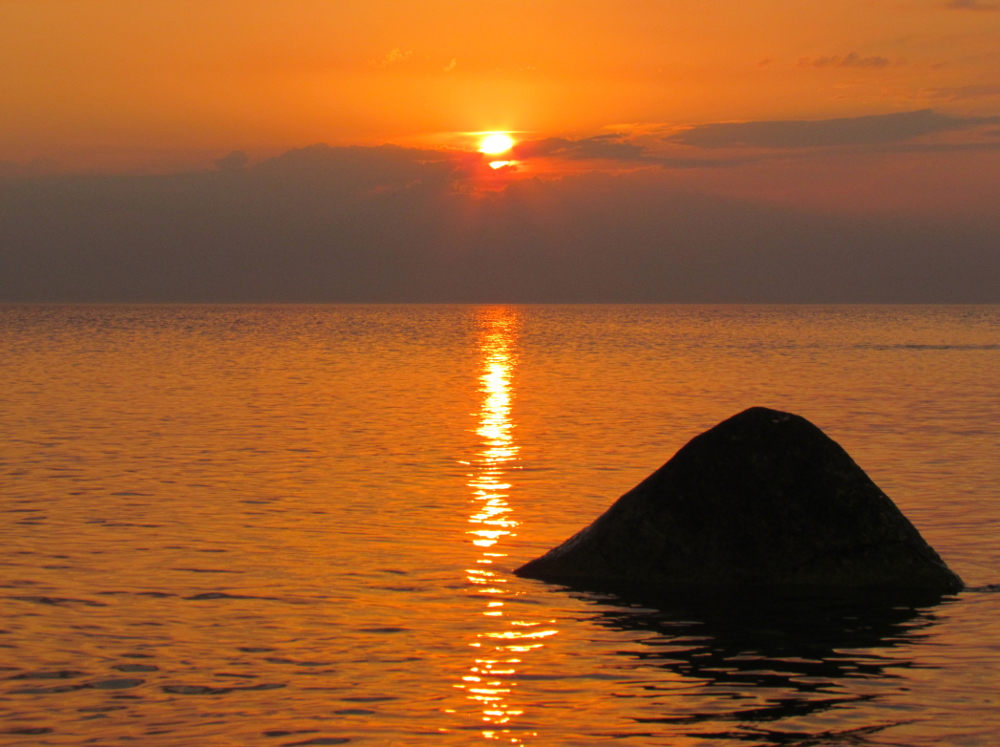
[973, 5]
[875, 62]
[870, 130]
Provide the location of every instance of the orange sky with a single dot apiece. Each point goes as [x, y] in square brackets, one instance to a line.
[159, 86]
[162, 83]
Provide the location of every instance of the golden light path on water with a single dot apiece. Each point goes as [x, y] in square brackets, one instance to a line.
[501, 647]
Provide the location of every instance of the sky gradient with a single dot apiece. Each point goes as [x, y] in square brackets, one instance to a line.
[768, 143]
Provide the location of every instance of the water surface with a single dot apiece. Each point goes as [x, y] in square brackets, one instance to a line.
[297, 525]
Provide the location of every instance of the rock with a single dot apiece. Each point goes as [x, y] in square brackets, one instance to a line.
[764, 498]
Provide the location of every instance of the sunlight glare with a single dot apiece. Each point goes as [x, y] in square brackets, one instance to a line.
[496, 143]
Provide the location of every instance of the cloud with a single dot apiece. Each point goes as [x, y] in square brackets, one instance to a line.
[851, 60]
[451, 65]
[326, 169]
[869, 130]
[973, 5]
[34, 167]
[947, 147]
[323, 224]
[604, 147]
[958, 93]
[394, 57]
[235, 163]
[612, 147]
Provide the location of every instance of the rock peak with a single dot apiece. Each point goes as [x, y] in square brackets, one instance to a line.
[764, 498]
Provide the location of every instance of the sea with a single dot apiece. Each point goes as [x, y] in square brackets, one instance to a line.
[298, 525]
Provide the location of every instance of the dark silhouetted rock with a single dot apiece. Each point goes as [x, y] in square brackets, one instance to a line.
[765, 498]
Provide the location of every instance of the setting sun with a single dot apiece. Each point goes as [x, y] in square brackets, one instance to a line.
[496, 143]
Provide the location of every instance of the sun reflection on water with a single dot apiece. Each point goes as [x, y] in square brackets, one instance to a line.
[489, 682]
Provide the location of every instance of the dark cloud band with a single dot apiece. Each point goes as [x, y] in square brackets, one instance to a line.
[601, 147]
[395, 224]
[870, 130]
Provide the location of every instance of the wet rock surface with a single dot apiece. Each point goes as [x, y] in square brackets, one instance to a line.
[765, 498]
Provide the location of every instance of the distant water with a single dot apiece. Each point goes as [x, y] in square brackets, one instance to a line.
[296, 525]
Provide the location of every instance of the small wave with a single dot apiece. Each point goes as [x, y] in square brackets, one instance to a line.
[209, 595]
[204, 570]
[560, 677]
[58, 674]
[206, 690]
[56, 601]
[136, 668]
[914, 346]
[112, 684]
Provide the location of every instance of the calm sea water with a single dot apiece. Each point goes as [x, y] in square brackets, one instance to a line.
[297, 525]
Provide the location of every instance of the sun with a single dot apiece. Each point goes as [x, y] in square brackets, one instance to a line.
[496, 143]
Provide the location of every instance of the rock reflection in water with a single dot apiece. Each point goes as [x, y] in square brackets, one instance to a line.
[769, 668]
